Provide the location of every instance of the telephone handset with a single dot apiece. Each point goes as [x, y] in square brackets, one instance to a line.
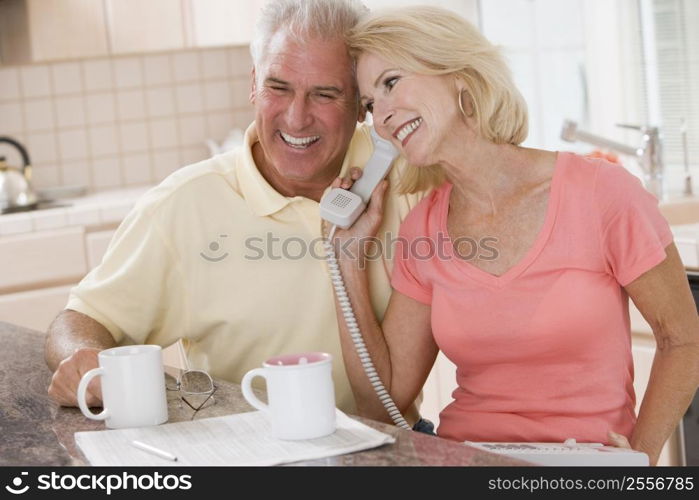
[341, 208]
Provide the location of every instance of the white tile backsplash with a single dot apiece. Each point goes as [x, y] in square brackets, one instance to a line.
[98, 75]
[76, 173]
[39, 115]
[161, 101]
[101, 108]
[214, 64]
[136, 168]
[186, 66]
[131, 104]
[106, 173]
[67, 78]
[11, 118]
[192, 130]
[134, 137]
[36, 80]
[157, 69]
[240, 92]
[46, 176]
[217, 95]
[164, 163]
[9, 83]
[240, 61]
[128, 72]
[72, 144]
[103, 140]
[42, 147]
[70, 111]
[219, 124]
[116, 121]
[163, 133]
[189, 98]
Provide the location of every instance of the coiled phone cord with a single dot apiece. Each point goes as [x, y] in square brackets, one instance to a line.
[356, 334]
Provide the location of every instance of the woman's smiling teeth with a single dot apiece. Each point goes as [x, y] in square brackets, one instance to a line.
[407, 129]
[299, 142]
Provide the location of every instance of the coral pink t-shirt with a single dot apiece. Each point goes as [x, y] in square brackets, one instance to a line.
[543, 352]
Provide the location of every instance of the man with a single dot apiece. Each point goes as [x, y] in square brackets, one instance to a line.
[215, 254]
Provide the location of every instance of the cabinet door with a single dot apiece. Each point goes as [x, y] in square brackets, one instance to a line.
[35, 309]
[44, 30]
[138, 26]
[41, 259]
[222, 22]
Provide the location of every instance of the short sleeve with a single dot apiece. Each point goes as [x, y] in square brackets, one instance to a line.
[136, 289]
[634, 233]
[405, 277]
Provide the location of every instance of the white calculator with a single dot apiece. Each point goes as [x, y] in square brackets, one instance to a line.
[568, 453]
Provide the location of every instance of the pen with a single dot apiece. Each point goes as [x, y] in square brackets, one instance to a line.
[155, 451]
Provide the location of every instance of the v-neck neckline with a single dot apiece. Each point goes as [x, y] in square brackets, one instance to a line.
[529, 257]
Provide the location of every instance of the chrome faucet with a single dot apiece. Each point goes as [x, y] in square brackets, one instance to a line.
[648, 154]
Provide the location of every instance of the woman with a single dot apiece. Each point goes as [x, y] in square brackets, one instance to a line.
[529, 295]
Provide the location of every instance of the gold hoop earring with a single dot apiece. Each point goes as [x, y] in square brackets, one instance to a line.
[461, 106]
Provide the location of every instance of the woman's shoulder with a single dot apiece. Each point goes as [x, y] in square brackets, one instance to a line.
[600, 175]
[427, 212]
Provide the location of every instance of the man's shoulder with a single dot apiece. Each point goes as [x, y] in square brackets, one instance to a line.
[195, 180]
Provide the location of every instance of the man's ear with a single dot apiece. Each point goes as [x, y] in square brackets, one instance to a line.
[253, 86]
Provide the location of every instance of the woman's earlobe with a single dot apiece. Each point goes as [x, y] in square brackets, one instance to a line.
[467, 109]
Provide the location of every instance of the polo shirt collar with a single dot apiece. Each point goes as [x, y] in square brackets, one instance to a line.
[262, 198]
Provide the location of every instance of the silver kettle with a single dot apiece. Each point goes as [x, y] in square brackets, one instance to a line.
[16, 193]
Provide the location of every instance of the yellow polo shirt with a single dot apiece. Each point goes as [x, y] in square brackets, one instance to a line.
[215, 256]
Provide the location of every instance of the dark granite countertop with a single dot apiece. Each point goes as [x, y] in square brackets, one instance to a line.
[38, 432]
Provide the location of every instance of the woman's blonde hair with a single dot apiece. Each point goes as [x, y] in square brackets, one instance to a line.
[436, 41]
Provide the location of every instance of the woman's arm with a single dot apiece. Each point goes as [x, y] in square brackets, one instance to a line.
[663, 297]
[402, 347]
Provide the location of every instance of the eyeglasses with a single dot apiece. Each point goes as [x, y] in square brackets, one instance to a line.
[196, 388]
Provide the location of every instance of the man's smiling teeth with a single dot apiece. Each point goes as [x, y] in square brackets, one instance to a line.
[407, 129]
[299, 142]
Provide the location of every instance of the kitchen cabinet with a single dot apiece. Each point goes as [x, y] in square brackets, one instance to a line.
[45, 265]
[138, 26]
[49, 30]
[222, 22]
[45, 30]
[34, 309]
[42, 258]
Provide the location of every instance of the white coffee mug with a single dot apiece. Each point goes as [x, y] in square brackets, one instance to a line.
[133, 387]
[300, 394]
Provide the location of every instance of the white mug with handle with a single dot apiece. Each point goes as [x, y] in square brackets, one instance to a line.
[300, 392]
[133, 387]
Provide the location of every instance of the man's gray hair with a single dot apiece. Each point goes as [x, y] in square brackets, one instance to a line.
[324, 19]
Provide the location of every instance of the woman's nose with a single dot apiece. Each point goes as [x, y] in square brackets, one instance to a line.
[382, 114]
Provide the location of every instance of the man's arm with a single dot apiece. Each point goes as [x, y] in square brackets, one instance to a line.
[72, 345]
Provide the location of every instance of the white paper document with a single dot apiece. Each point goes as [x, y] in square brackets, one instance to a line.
[240, 439]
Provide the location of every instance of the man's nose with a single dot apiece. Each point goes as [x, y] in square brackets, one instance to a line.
[299, 113]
